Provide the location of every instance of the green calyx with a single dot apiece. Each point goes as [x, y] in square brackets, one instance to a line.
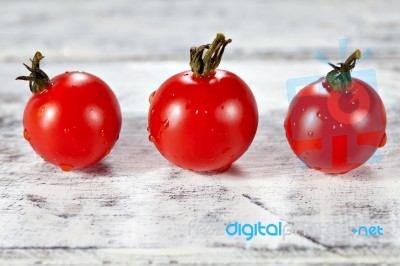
[339, 79]
[205, 66]
[38, 79]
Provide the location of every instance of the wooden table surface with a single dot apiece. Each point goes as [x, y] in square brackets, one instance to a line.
[136, 208]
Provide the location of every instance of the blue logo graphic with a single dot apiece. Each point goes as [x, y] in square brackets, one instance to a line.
[368, 231]
[369, 76]
[283, 230]
[251, 230]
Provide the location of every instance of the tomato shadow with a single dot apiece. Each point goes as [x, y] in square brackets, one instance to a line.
[99, 169]
[233, 172]
[365, 172]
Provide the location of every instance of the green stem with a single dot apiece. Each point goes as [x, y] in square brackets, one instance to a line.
[38, 79]
[205, 66]
[339, 79]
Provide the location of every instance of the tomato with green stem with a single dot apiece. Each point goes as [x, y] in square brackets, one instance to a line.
[72, 120]
[203, 119]
[336, 123]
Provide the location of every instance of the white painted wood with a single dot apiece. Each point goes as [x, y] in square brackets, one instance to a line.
[134, 199]
[205, 256]
[126, 29]
[136, 208]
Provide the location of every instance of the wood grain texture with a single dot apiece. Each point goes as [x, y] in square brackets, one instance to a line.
[125, 29]
[136, 208]
[134, 205]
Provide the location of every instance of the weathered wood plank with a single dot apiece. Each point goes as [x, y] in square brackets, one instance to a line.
[203, 256]
[134, 200]
[136, 208]
[124, 29]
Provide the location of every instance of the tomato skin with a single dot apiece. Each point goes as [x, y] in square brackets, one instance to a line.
[75, 122]
[335, 132]
[203, 124]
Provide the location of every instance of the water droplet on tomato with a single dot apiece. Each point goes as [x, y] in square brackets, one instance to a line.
[151, 138]
[206, 112]
[148, 129]
[340, 125]
[102, 133]
[319, 114]
[152, 111]
[326, 117]
[334, 126]
[226, 150]
[294, 123]
[26, 135]
[196, 112]
[310, 133]
[152, 96]
[165, 123]
[66, 130]
[66, 167]
[383, 141]
[173, 94]
[211, 160]
[303, 109]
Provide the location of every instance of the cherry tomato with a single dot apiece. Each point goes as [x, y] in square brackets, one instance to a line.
[72, 120]
[336, 123]
[203, 122]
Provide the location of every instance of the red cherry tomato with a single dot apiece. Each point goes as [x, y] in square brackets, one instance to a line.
[203, 123]
[335, 131]
[74, 122]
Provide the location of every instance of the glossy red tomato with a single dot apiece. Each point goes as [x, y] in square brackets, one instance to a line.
[74, 121]
[336, 130]
[203, 123]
